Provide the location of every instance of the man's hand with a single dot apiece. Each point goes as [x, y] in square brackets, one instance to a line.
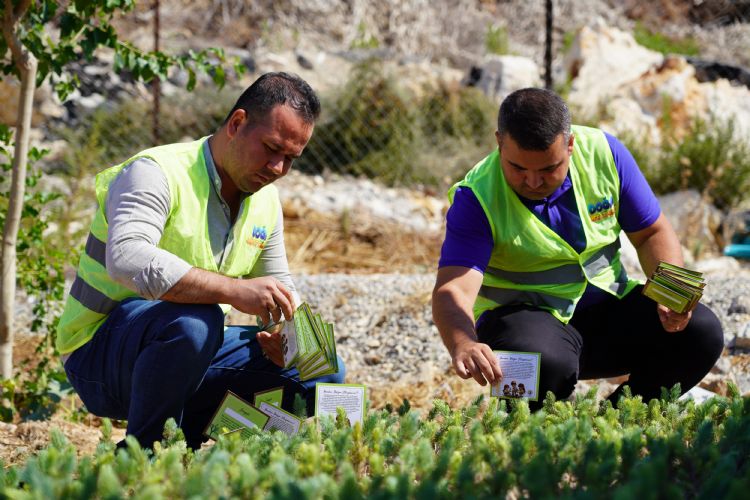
[270, 342]
[672, 321]
[266, 297]
[475, 359]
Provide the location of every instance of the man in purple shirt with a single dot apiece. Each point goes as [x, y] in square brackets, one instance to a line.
[607, 335]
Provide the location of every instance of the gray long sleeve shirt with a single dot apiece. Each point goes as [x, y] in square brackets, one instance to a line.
[138, 204]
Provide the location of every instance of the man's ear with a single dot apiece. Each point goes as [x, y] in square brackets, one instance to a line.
[235, 122]
[571, 143]
[499, 139]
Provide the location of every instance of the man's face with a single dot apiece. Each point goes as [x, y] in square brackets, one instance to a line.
[262, 152]
[535, 174]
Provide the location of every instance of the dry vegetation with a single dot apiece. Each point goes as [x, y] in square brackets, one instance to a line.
[355, 243]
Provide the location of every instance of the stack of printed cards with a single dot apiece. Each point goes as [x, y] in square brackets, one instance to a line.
[237, 415]
[309, 345]
[675, 287]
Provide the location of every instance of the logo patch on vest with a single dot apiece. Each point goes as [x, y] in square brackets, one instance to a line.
[259, 236]
[601, 210]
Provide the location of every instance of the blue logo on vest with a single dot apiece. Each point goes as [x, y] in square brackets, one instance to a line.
[258, 238]
[602, 209]
[259, 232]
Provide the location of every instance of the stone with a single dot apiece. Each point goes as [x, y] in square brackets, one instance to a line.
[498, 76]
[729, 103]
[372, 359]
[626, 118]
[699, 394]
[723, 366]
[717, 265]
[45, 105]
[739, 305]
[742, 339]
[696, 222]
[601, 60]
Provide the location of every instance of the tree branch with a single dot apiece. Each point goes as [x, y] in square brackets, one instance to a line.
[21, 9]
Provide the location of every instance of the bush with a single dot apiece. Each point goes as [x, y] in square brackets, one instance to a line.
[373, 127]
[37, 385]
[661, 449]
[661, 43]
[709, 158]
[111, 135]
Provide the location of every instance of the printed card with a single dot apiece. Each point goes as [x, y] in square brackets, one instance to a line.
[350, 397]
[280, 419]
[271, 396]
[235, 415]
[520, 375]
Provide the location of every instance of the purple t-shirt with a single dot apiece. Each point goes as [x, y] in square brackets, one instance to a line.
[468, 236]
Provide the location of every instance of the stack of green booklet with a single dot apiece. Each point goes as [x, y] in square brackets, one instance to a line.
[675, 287]
[309, 345]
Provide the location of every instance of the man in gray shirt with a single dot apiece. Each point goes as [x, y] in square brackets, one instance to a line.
[181, 229]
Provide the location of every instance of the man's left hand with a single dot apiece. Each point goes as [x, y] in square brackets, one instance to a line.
[672, 321]
[271, 345]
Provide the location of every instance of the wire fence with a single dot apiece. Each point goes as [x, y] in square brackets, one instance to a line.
[371, 125]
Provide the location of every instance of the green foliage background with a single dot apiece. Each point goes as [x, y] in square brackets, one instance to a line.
[662, 449]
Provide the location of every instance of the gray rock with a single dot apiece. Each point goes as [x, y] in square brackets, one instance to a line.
[739, 305]
[742, 339]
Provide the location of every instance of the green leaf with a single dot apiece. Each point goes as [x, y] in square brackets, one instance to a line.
[70, 24]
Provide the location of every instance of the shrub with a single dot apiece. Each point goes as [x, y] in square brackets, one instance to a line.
[665, 448]
[661, 43]
[373, 127]
[709, 158]
[39, 385]
[496, 40]
[112, 134]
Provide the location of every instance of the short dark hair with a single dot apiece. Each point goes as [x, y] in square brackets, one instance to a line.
[274, 89]
[534, 118]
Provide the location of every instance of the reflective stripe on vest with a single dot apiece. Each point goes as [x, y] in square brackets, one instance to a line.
[96, 249]
[509, 296]
[569, 273]
[90, 297]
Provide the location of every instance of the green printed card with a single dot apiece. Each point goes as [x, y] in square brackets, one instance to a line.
[280, 419]
[271, 396]
[235, 415]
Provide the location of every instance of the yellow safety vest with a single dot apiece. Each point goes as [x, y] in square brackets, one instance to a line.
[94, 294]
[530, 263]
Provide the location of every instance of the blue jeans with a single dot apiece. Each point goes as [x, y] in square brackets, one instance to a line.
[152, 360]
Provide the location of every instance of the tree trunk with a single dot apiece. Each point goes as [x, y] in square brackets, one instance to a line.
[27, 65]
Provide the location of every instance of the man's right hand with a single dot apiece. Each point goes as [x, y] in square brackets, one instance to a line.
[475, 359]
[266, 297]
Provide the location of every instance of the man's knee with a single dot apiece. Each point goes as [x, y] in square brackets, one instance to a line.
[706, 334]
[197, 331]
[339, 376]
[558, 374]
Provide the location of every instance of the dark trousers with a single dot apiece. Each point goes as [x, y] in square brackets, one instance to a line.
[612, 338]
[152, 360]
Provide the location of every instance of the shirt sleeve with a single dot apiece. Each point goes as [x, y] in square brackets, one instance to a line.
[639, 207]
[273, 260]
[468, 235]
[138, 204]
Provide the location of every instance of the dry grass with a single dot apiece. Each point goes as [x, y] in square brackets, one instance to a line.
[355, 243]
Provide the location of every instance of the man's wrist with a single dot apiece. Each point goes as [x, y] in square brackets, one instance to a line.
[226, 290]
[462, 342]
